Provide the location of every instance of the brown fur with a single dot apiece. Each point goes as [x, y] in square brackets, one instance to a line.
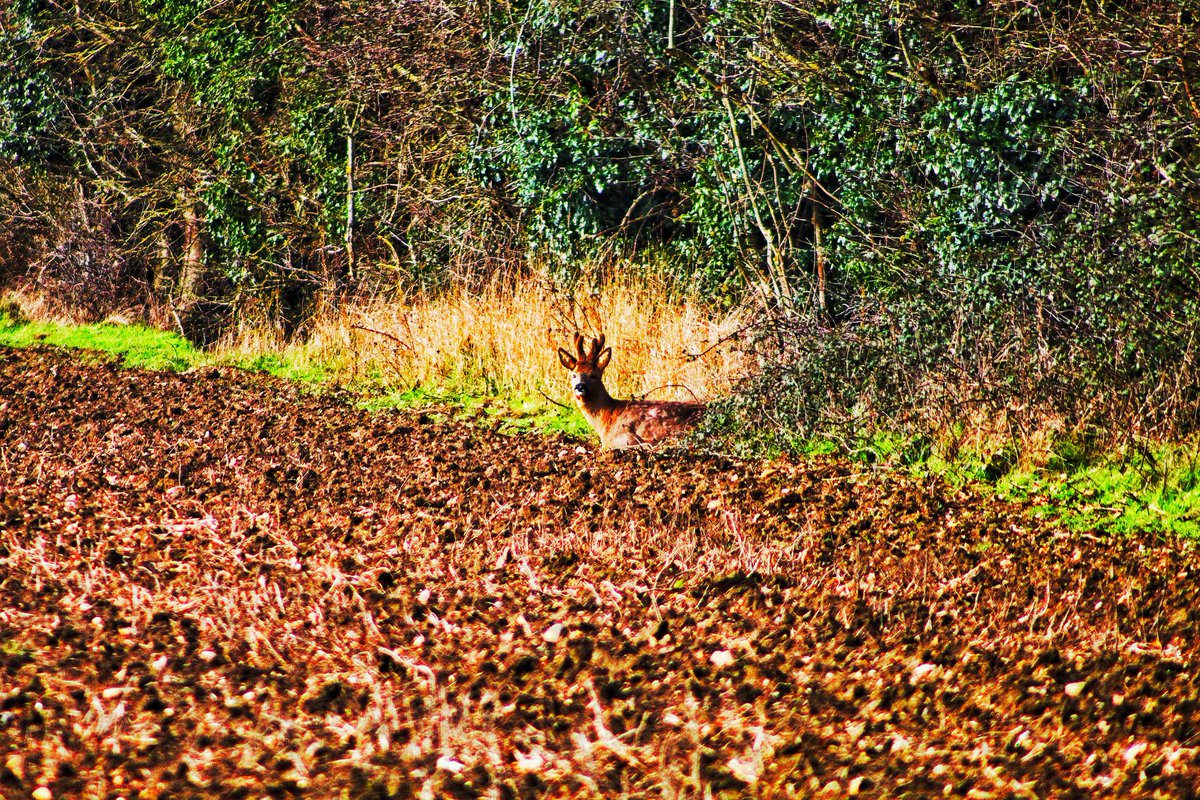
[622, 423]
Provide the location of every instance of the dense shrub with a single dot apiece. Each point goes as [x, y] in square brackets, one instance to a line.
[1015, 236]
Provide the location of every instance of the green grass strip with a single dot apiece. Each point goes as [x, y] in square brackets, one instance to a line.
[1155, 489]
[137, 345]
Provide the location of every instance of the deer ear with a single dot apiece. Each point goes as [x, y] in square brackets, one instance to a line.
[602, 359]
[566, 359]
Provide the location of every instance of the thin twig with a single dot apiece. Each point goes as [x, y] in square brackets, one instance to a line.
[387, 335]
[735, 335]
[552, 400]
[683, 386]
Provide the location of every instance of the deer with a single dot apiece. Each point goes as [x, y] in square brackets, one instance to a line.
[622, 424]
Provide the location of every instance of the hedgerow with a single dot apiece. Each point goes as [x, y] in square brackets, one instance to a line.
[945, 212]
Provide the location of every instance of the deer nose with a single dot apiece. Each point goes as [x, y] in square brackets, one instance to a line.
[580, 387]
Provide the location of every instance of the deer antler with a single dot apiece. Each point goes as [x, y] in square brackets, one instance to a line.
[597, 346]
[579, 347]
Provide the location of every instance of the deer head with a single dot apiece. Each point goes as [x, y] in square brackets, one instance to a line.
[587, 369]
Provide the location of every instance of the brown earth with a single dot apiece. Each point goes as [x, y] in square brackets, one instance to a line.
[213, 585]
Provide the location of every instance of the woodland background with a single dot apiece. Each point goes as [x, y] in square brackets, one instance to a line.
[942, 214]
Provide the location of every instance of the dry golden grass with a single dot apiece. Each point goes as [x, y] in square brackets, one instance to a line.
[31, 304]
[502, 338]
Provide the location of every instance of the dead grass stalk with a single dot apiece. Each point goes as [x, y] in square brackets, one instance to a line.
[501, 339]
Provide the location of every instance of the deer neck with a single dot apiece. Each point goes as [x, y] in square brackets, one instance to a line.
[600, 408]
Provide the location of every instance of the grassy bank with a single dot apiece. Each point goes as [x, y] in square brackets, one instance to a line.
[490, 356]
[1142, 488]
[138, 345]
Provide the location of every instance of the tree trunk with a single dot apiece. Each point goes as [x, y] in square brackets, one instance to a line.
[191, 273]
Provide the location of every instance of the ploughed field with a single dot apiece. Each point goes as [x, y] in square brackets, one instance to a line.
[214, 585]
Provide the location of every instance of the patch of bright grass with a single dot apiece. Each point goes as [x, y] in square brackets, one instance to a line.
[894, 448]
[136, 345]
[530, 413]
[510, 414]
[1155, 489]
[147, 348]
[1152, 487]
[303, 371]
